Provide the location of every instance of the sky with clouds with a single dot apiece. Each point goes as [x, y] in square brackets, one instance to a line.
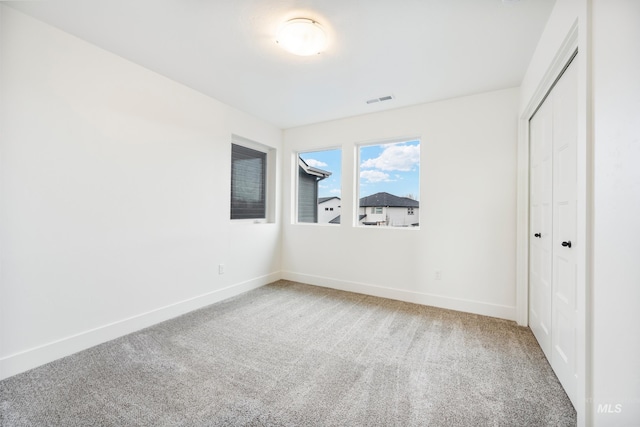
[393, 168]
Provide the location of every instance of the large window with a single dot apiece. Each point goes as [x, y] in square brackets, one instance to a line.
[248, 183]
[319, 186]
[389, 184]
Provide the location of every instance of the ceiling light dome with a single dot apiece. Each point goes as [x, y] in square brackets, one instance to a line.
[302, 37]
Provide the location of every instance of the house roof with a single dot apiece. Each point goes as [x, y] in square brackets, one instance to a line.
[310, 170]
[336, 220]
[326, 199]
[388, 200]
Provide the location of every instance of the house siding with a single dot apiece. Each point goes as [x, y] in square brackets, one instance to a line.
[307, 197]
[391, 216]
[325, 216]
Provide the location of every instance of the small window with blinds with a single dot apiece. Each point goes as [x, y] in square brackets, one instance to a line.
[248, 183]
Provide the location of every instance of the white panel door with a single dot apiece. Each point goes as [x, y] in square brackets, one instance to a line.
[553, 227]
[540, 220]
[564, 304]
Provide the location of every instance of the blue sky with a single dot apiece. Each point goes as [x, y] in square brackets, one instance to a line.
[394, 168]
[329, 160]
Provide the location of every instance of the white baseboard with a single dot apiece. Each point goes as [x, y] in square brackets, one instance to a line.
[34, 357]
[467, 306]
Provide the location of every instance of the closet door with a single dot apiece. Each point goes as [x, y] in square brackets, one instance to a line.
[553, 216]
[540, 226]
[564, 304]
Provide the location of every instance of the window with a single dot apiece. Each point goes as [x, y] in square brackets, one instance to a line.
[389, 184]
[248, 183]
[319, 186]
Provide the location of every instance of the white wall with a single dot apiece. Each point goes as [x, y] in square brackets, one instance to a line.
[115, 197]
[616, 212]
[467, 208]
[563, 16]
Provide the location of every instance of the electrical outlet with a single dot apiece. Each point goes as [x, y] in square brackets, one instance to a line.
[220, 268]
[438, 274]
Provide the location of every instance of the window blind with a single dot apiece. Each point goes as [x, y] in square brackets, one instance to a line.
[248, 183]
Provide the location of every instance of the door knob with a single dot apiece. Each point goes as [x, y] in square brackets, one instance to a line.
[567, 244]
[538, 235]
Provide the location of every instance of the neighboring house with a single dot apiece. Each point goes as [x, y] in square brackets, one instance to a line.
[328, 209]
[388, 210]
[336, 220]
[308, 178]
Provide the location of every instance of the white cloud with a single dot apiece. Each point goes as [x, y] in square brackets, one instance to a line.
[315, 163]
[395, 158]
[374, 176]
[335, 191]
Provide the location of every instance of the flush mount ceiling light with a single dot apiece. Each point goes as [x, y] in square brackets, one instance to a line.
[302, 37]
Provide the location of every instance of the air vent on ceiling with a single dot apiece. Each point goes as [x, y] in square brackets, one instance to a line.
[381, 99]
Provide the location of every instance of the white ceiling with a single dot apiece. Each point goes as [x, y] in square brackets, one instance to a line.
[416, 50]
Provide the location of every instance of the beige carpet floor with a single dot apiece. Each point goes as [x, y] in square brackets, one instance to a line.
[289, 354]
